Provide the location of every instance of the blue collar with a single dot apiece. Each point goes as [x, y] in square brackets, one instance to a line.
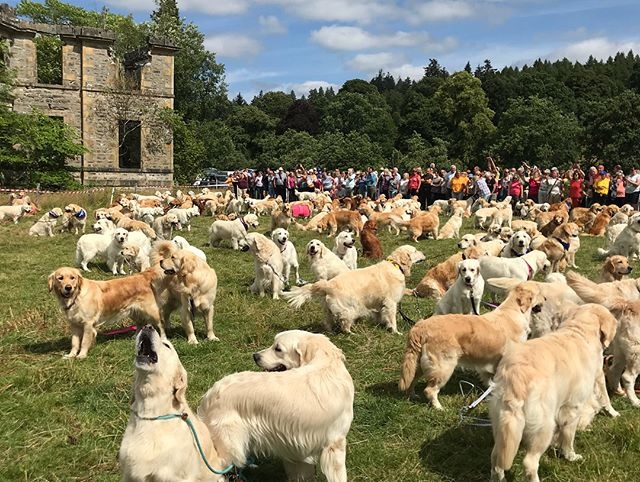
[81, 214]
[564, 245]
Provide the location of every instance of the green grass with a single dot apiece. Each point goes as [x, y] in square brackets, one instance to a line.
[62, 420]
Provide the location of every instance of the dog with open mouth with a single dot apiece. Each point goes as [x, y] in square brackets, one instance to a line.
[299, 409]
[345, 248]
[280, 236]
[159, 443]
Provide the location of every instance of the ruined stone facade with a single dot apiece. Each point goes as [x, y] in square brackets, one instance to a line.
[95, 99]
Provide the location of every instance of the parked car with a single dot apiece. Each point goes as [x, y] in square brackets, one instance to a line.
[212, 178]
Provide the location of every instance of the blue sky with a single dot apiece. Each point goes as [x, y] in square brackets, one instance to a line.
[301, 44]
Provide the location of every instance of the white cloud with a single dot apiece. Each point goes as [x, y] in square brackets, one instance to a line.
[232, 45]
[271, 24]
[360, 11]
[414, 72]
[373, 62]
[443, 10]
[337, 37]
[598, 47]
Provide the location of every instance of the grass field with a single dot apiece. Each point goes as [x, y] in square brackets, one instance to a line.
[62, 420]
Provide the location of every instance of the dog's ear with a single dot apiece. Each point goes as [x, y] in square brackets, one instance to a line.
[179, 383]
[608, 265]
[608, 328]
[80, 279]
[51, 279]
[524, 298]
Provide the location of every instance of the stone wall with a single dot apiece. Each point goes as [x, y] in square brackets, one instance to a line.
[92, 100]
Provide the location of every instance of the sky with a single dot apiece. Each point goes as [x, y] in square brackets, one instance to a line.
[303, 44]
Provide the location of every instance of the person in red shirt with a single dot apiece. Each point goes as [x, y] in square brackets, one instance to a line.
[414, 182]
[575, 187]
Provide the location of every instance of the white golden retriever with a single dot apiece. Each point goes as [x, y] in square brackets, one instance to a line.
[627, 243]
[280, 236]
[92, 245]
[465, 295]
[518, 245]
[268, 263]
[371, 291]
[163, 449]
[115, 261]
[233, 231]
[182, 243]
[300, 409]
[345, 248]
[541, 386]
[324, 263]
[523, 268]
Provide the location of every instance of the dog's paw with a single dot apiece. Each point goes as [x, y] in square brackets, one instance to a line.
[573, 457]
[212, 337]
[192, 341]
[69, 355]
[301, 282]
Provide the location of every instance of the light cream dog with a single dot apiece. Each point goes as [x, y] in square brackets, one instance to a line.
[269, 266]
[324, 263]
[300, 409]
[372, 291]
[233, 231]
[465, 295]
[75, 218]
[163, 449]
[14, 212]
[451, 228]
[44, 226]
[437, 345]
[346, 250]
[541, 386]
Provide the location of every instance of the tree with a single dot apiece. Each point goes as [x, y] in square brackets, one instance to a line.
[466, 115]
[300, 116]
[199, 87]
[274, 104]
[537, 131]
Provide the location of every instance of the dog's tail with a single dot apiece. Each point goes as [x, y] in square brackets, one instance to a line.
[411, 357]
[299, 296]
[508, 422]
[584, 288]
[603, 253]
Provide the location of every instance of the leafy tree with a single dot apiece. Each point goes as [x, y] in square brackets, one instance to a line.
[466, 115]
[300, 116]
[274, 104]
[537, 131]
[199, 87]
[129, 36]
[612, 129]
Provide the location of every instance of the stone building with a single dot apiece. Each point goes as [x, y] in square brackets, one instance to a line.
[114, 105]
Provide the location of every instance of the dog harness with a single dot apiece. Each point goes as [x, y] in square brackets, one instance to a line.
[53, 214]
[300, 211]
[563, 244]
[244, 224]
[81, 214]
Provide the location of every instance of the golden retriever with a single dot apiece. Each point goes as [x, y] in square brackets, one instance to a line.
[541, 386]
[75, 217]
[451, 228]
[423, 224]
[596, 292]
[343, 219]
[269, 265]
[197, 283]
[44, 226]
[371, 291]
[157, 449]
[615, 268]
[299, 409]
[122, 221]
[557, 246]
[602, 220]
[324, 263]
[437, 345]
[87, 304]
[440, 277]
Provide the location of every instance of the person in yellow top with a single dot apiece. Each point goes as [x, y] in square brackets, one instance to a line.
[601, 183]
[459, 183]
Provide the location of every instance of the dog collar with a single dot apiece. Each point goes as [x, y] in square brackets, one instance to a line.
[53, 214]
[564, 245]
[395, 264]
[282, 247]
[81, 214]
[244, 224]
[67, 308]
[515, 254]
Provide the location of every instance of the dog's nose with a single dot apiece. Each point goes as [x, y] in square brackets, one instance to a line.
[148, 328]
[67, 287]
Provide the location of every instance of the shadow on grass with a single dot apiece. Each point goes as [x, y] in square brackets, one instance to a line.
[50, 346]
[460, 453]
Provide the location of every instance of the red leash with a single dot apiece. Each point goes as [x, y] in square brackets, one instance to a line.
[119, 331]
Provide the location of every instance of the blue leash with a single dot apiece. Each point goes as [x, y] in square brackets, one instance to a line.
[185, 418]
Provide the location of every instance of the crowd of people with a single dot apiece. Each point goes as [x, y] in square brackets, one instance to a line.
[433, 183]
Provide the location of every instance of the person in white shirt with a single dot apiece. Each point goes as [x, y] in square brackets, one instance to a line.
[633, 188]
